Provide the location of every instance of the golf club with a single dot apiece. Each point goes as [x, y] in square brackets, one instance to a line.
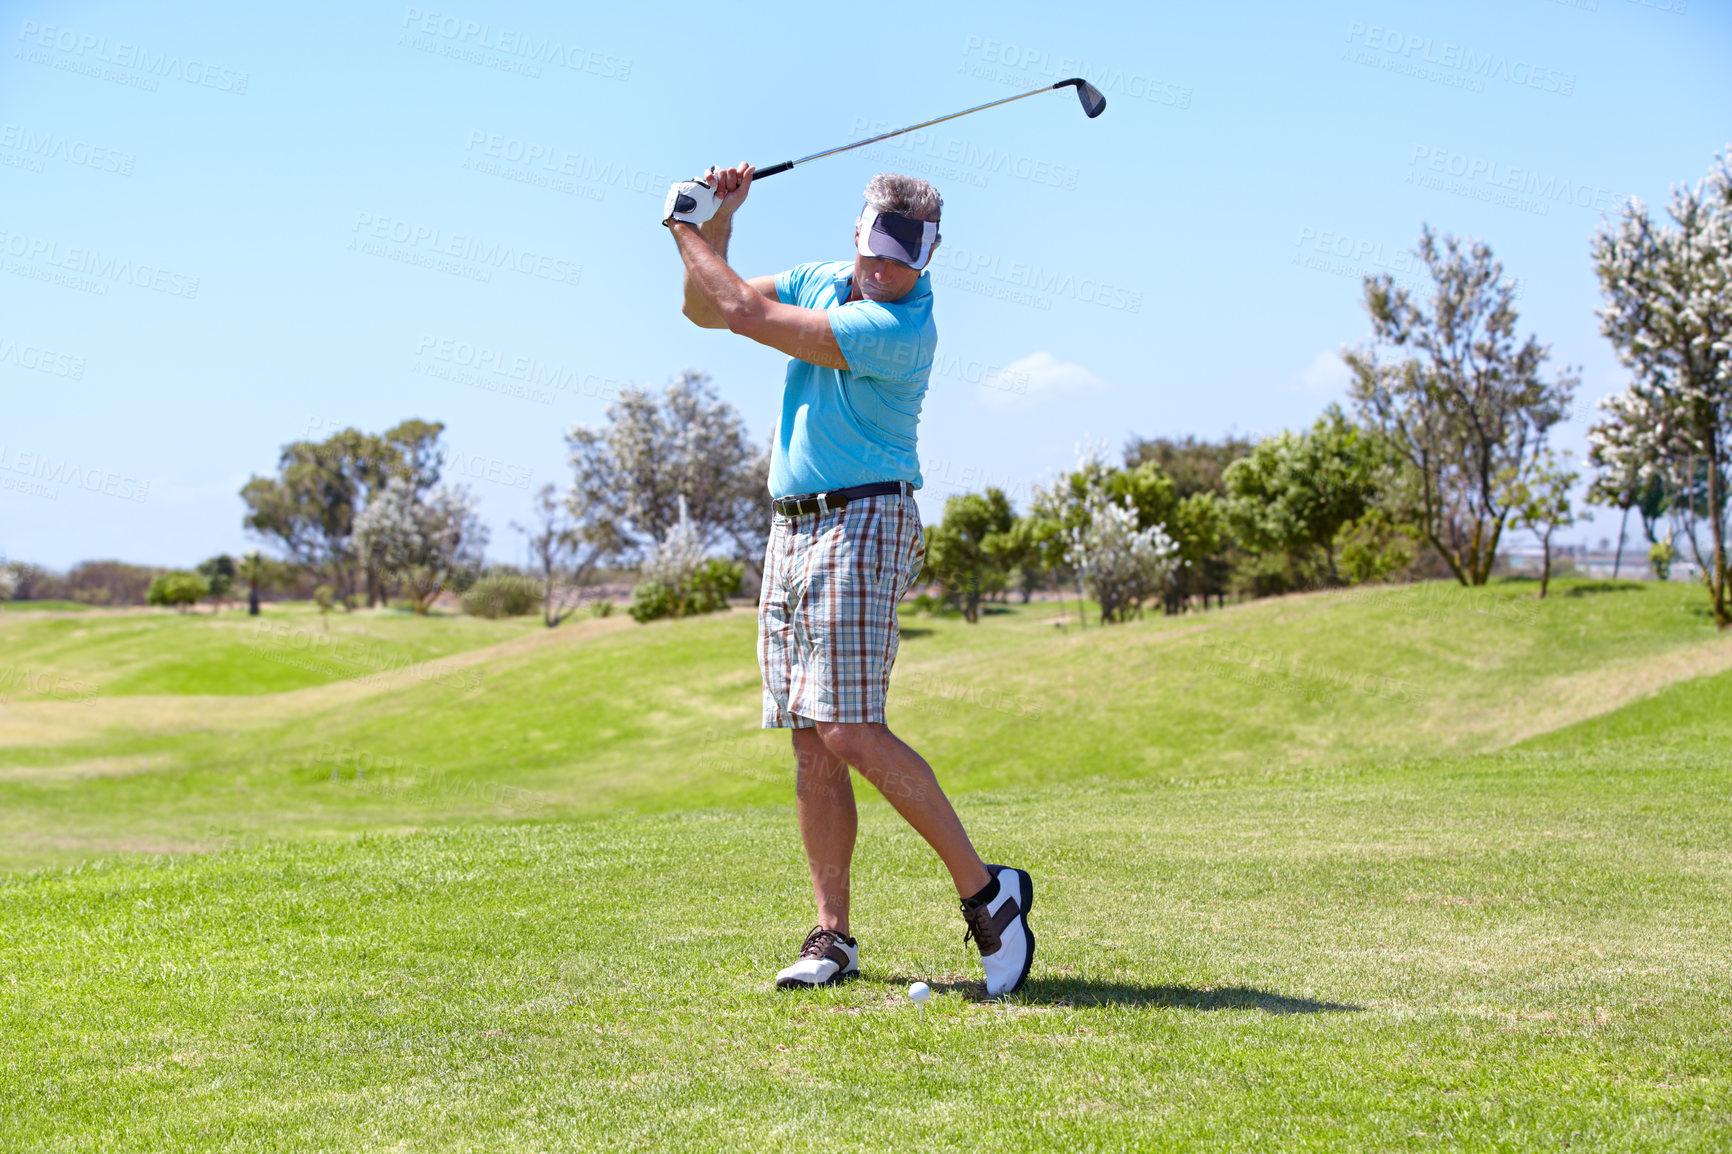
[1092, 101]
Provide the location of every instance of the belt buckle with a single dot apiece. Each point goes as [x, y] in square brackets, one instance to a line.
[824, 503]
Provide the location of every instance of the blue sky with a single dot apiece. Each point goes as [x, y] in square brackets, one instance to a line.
[226, 230]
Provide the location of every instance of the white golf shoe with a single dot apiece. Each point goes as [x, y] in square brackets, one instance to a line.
[999, 926]
[825, 958]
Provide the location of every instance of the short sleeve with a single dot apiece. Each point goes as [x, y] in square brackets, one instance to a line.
[876, 342]
[792, 285]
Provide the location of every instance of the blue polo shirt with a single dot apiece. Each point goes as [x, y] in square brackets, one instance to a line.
[854, 426]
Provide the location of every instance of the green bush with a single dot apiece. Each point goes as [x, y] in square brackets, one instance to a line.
[709, 590]
[178, 588]
[502, 596]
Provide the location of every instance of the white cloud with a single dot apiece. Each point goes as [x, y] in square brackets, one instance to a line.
[1327, 373]
[1034, 379]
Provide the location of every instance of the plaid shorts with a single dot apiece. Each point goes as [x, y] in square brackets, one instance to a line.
[827, 628]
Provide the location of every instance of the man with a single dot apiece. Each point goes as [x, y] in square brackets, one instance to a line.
[845, 541]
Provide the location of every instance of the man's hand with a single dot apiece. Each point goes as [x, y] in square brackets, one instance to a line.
[689, 202]
[731, 185]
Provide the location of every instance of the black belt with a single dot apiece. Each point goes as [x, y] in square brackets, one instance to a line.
[836, 498]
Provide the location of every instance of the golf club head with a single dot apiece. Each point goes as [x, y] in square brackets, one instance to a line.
[1093, 103]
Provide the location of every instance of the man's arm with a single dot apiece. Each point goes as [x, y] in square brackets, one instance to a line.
[697, 309]
[717, 298]
[750, 310]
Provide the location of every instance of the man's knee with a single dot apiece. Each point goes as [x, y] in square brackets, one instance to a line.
[816, 768]
[853, 742]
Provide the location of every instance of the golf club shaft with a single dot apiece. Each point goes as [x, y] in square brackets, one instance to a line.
[784, 166]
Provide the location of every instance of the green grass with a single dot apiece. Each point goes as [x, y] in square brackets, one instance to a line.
[286, 647]
[603, 715]
[1373, 870]
[43, 607]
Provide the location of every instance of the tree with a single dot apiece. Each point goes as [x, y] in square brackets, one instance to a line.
[967, 551]
[1668, 313]
[219, 574]
[1461, 401]
[1110, 523]
[420, 536]
[1296, 492]
[260, 573]
[1661, 554]
[1543, 506]
[1199, 529]
[1020, 553]
[1195, 466]
[678, 580]
[178, 588]
[566, 551]
[690, 444]
[309, 508]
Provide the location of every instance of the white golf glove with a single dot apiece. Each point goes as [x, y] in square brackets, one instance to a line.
[690, 201]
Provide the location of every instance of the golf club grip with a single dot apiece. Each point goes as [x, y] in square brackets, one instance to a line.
[772, 170]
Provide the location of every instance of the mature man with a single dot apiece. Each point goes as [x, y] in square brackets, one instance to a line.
[845, 541]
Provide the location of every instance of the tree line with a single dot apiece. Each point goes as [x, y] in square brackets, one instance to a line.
[1444, 449]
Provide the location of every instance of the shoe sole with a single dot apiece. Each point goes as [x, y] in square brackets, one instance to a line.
[835, 980]
[1027, 906]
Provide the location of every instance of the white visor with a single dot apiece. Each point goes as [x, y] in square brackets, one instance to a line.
[896, 237]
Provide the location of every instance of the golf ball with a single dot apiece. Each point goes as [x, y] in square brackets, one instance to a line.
[919, 992]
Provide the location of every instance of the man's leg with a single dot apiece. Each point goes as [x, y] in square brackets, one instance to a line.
[824, 796]
[905, 779]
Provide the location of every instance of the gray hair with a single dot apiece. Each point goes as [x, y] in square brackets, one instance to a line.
[904, 195]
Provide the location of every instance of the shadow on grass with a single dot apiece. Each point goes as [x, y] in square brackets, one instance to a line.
[1606, 587]
[1084, 993]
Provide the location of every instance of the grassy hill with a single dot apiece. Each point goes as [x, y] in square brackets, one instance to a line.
[455, 719]
[1402, 869]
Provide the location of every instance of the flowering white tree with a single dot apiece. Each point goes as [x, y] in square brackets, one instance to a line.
[420, 536]
[1122, 561]
[676, 559]
[1668, 313]
[688, 445]
[678, 578]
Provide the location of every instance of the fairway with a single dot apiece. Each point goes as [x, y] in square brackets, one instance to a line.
[1400, 869]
